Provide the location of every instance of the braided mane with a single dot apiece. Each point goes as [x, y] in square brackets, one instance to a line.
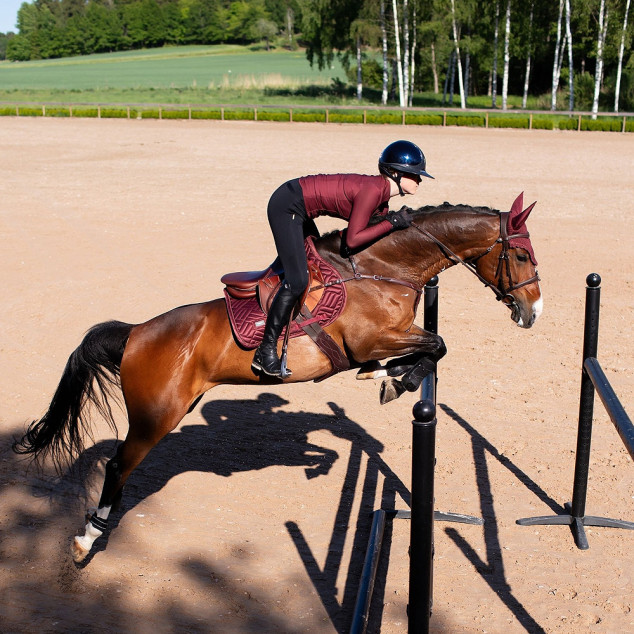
[445, 207]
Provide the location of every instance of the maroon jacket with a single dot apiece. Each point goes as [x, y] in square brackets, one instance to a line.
[354, 198]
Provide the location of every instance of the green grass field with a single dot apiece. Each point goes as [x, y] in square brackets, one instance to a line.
[220, 74]
[170, 75]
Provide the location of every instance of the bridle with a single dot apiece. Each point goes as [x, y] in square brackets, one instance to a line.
[502, 292]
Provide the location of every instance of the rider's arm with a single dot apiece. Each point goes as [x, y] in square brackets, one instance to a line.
[365, 203]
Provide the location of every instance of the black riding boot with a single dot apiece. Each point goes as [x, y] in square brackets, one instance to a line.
[265, 358]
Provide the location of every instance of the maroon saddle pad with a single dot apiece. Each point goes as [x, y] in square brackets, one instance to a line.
[248, 319]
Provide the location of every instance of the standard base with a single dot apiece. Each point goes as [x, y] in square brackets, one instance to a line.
[577, 524]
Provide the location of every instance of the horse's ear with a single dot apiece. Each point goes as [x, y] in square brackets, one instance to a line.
[517, 205]
[517, 218]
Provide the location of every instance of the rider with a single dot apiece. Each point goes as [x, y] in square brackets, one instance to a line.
[352, 197]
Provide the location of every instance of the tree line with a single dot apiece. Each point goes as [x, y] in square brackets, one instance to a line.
[575, 51]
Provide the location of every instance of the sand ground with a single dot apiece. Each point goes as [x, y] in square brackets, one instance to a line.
[253, 515]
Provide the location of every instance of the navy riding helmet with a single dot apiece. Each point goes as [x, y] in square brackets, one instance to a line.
[402, 157]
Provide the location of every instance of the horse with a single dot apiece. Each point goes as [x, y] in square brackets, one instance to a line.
[165, 365]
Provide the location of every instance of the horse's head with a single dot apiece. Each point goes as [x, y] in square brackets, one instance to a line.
[509, 267]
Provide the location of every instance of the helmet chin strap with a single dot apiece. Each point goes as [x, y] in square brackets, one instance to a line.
[397, 179]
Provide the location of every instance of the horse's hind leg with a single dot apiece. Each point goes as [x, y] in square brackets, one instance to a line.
[141, 438]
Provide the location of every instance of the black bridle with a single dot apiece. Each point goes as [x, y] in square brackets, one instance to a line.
[502, 292]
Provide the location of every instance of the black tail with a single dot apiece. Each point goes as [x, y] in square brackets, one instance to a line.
[91, 372]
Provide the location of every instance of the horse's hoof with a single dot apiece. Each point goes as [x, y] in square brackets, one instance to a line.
[77, 551]
[390, 390]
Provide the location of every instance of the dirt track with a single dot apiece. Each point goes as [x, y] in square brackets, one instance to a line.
[253, 515]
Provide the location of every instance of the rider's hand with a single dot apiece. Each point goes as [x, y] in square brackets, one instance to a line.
[400, 219]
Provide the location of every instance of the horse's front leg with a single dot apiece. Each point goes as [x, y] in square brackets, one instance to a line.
[423, 349]
[393, 367]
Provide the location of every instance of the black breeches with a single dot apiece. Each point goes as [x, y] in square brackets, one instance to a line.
[290, 225]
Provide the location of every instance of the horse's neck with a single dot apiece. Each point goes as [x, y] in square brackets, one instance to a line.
[410, 255]
[465, 232]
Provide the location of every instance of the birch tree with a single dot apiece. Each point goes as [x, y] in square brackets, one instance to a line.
[463, 104]
[494, 71]
[406, 58]
[620, 64]
[557, 60]
[528, 55]
[397, 41]
[603, 28]
[507, 57]
[412, 65]
[384, 46]
[571, 74]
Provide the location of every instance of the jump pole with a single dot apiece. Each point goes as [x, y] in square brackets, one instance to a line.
[421, 513]
[591, 379]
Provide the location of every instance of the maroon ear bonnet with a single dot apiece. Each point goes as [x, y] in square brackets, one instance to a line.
[517, 224]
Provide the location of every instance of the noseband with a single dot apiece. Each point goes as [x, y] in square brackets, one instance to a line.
[502, 292]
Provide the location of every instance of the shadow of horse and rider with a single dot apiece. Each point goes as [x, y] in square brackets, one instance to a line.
[225, 445]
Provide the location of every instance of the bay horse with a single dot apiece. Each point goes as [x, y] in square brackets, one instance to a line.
[165, 365]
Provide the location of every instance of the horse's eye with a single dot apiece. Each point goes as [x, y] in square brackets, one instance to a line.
[522, 257]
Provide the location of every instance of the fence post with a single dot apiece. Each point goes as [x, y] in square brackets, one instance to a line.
[586, 400]
[422, 517]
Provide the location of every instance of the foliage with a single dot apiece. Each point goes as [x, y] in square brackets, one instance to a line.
[28, 111]
[57, 112]
[387, 117]
[543, 124]
[115, 113]
[461, 120]
[175, 114]
[335, 28]
[371, 71]
[508, 122]
[62, 28]
[85, 112]
[206, 114]
[310, 117]
[268, 115]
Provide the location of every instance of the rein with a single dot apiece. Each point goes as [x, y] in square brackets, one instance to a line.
[362, 276]
[503, 295]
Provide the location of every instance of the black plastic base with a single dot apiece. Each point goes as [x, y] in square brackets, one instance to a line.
[577, 524]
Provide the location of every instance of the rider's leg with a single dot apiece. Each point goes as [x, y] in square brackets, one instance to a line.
[287, 217]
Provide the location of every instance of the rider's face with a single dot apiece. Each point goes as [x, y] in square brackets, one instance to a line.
[410, 183]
